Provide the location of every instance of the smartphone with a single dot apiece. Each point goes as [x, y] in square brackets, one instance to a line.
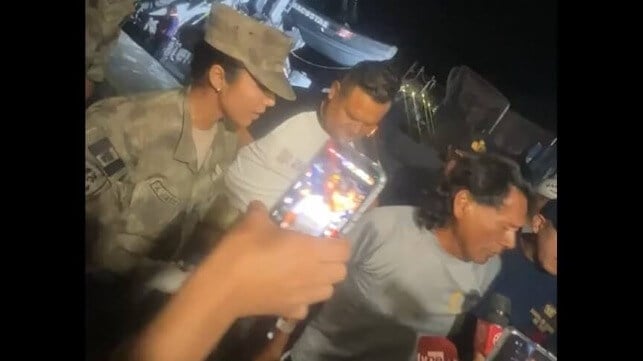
[338, 185]
[515, 346]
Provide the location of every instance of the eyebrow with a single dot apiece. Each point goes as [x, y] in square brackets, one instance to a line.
[352, 116]
[509, 224]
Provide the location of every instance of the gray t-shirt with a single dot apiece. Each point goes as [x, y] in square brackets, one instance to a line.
[400, 284]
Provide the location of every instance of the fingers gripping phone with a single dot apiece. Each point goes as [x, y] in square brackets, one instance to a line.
[330, 195]
[515, 346]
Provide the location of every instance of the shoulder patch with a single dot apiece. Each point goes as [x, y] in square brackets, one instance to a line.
[107, 156]
[163, 193]
[95, 180]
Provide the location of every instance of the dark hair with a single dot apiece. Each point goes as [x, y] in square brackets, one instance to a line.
[488, 177]
[205, 56]
[376, 78]
[550, 212]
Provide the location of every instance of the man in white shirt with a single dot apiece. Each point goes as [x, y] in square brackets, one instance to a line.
[352, 110]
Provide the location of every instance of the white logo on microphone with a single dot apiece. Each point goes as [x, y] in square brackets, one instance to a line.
[496, 337]
[432, 356]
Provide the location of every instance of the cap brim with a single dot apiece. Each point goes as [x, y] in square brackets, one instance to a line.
[277, 82]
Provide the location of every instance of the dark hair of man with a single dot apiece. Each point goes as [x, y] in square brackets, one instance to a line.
[488, 177]
[376, 78]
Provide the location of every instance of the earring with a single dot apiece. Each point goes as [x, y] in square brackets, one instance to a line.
[218, 90]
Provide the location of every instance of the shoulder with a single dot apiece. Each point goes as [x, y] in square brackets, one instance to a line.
[107, 12]
[298, 137]
[307, 101]
[383, 220]
[389, 216]
[113, 124]
[132, 113]
[123, 7]
[303, 123]
[385, 231]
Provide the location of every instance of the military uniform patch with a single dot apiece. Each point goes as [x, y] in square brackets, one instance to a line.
[163, 193]
[95, 180]
[107, 156]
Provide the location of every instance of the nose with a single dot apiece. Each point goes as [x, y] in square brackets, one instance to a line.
[270, 99]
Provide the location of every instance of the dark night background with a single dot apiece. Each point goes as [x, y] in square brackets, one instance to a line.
[511, 43]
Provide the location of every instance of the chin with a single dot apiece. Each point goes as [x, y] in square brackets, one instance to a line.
[244, 122]
[344, 139]
[552, 270]
[482, 259]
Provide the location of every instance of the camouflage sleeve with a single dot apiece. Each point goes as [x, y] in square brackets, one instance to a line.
[129, 215]
[103, 20]
[132, 218]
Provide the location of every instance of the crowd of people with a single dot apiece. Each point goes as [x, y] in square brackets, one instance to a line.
[178, 186]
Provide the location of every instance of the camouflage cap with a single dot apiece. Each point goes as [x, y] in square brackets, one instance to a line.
[263, 50]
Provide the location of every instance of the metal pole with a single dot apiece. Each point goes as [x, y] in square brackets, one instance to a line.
[499, 118]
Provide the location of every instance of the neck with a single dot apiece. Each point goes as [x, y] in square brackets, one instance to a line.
[449, 242]
[204, 107]
[322, 114]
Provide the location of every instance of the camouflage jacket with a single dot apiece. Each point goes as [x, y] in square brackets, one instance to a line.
[103, 20]
[142, 185]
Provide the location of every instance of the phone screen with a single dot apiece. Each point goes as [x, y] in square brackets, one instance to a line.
[337, 185]
[516, 347]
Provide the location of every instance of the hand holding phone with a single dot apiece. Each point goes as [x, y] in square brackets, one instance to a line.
[336, 188]
[515, 346]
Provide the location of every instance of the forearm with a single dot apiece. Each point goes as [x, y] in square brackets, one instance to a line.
[194, 320]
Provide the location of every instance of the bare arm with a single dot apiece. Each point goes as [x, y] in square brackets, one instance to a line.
[295, 271]
[194, 320]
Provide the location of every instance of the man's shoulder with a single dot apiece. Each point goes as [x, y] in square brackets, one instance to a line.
[307, 101]
[388, 220]
[382, 228]
[298, 137]
[388, 216]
